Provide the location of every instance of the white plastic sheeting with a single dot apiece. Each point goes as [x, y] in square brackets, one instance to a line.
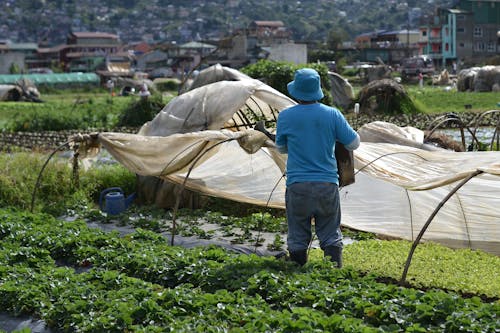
[400, 184]
[396, 195]
[229, 104]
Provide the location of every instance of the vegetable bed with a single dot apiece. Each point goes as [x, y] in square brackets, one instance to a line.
[81, 279]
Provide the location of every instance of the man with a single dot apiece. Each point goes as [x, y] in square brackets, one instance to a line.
[144, 92]
[308, 133]
[420, 79]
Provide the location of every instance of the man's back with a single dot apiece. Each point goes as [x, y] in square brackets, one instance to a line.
[309, 131]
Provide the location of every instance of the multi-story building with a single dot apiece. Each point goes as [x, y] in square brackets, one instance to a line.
[266, 33]
[485, 33]
[438, 38]
[84, 51]
[389, 46]
[469, 32]
[260, 40]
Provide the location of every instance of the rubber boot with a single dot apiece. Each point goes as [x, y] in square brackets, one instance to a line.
[335, 254]
[300, 257]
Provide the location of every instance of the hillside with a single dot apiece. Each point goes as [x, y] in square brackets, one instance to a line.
[184, 20]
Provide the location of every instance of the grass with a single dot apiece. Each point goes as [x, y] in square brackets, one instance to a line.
[56, 191]
[433, 265]
[435, 100]
[97, 108]
[69, 110]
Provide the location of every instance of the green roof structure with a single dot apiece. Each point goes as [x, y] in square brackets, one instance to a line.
[52, 79]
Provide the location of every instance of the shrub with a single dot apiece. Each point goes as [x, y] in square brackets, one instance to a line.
[141, 111]
[168, 85]
[277, 74]
[493, 61]
[350, 72]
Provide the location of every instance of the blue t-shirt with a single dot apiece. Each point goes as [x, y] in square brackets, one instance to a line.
[309, 132]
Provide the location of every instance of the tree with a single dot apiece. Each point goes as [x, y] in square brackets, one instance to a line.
[335, 38]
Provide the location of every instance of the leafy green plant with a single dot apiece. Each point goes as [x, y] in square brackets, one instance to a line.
[277, 244]
[140, 283]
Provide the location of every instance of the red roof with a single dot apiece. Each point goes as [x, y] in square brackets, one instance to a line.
[142, 47]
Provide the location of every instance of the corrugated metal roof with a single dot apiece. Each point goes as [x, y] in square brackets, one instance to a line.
[22, 46]
[85, 34]
[458, 11]
[197, 45]
[396, 32]
[269, 23]
[51, 78]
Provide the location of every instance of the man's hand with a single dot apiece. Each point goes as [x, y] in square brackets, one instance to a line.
[260, 126]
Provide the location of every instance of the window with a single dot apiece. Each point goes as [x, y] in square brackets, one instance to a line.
[479, 47]
[461, 30]
[461, 17]
[478, 32]
[461, 44]
[491, 47]
[424, 33]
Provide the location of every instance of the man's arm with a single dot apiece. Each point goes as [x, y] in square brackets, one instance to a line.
[283, 149]
[354, 144]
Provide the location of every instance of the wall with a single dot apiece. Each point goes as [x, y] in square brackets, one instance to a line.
[296, 53]
[239, 47]
[465, 27]
[6, 59]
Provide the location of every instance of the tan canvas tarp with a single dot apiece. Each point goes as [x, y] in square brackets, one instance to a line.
[222, 162]
[400, 184]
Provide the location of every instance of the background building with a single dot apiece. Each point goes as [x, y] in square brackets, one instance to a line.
[470, 32]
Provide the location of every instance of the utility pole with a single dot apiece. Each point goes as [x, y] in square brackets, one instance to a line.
[408, 36]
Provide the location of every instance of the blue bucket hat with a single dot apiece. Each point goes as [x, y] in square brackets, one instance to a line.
[306, 85]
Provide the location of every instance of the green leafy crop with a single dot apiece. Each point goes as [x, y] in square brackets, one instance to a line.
[80, 279]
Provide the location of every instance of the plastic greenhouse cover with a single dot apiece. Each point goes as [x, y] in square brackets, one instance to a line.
[399, 183]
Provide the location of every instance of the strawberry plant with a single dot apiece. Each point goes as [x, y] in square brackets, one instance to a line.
[81, 279]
